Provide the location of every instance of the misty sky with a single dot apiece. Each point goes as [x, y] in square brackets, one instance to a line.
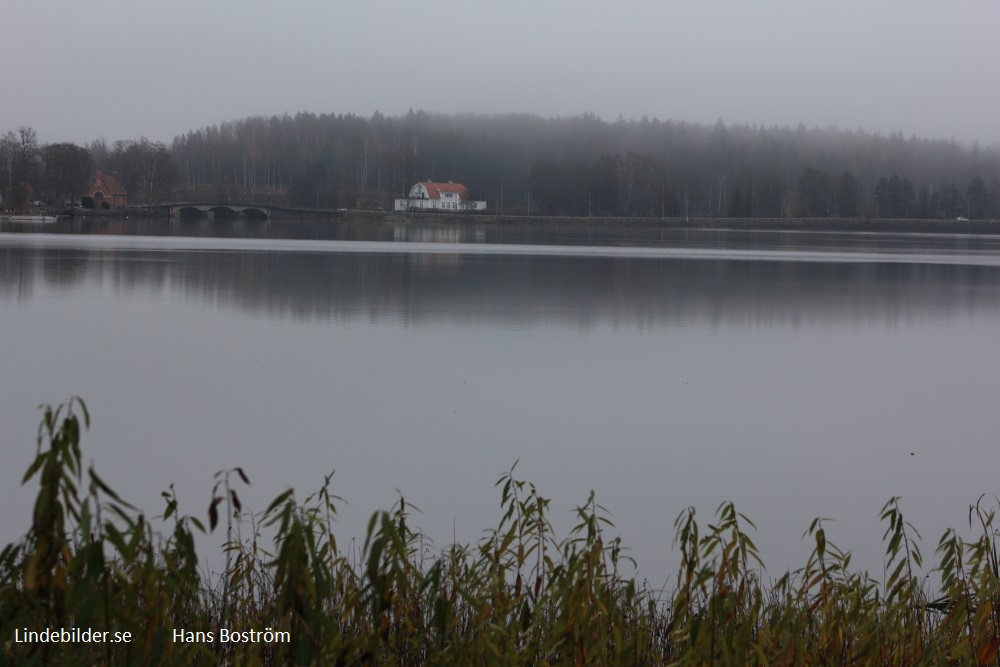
[78, 70]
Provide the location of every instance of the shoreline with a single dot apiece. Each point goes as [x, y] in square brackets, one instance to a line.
[882, 225]
[737, 224]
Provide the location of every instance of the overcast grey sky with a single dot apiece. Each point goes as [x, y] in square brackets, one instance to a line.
[78, 70]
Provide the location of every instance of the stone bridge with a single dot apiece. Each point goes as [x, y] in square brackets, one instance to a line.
[215, 211]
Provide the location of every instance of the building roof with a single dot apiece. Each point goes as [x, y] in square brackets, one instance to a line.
[108, 184]
[434, 190]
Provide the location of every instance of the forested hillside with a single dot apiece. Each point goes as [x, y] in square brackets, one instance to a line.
[522, 163]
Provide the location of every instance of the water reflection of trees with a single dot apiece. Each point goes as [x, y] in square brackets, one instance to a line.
[418, 287]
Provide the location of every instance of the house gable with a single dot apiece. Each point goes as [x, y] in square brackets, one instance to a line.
[428, 195]
[432, 190]
[107, 190]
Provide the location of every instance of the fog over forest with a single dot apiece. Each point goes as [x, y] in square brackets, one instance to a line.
[672, 109]
[527, 164]
[912, 66]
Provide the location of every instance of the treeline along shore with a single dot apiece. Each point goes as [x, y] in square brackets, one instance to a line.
[93, 581]
[525, 165]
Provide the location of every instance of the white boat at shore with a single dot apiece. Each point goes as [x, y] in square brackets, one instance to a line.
[27, 218]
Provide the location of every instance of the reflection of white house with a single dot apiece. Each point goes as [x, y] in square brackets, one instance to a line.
[430, 196]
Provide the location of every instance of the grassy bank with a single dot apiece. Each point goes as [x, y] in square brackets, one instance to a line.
[522, 595]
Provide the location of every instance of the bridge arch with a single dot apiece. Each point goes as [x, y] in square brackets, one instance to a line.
[217, 211]
[191, 212]
[255, 213]
[223, 212]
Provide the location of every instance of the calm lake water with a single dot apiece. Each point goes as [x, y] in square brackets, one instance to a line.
[797, 374]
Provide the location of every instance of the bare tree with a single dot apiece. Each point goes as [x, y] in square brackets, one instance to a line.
[67, 167]
[27, 144]
[26, 164]
[8, 156]
[144, 167]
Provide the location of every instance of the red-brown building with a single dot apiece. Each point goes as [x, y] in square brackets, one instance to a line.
[107, 191]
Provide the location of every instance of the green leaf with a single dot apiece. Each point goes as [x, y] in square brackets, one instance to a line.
[278, 501]
[236, 500]
[117, 541]
[243, 475]
[96, 479]
[35, 465]
[213, 513]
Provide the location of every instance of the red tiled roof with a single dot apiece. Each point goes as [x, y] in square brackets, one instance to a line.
[434, 190]
[108, 184]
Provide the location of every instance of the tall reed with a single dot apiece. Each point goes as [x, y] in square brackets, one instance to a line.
[523, 595]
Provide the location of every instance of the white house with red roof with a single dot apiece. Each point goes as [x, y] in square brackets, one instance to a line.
[431, 196]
